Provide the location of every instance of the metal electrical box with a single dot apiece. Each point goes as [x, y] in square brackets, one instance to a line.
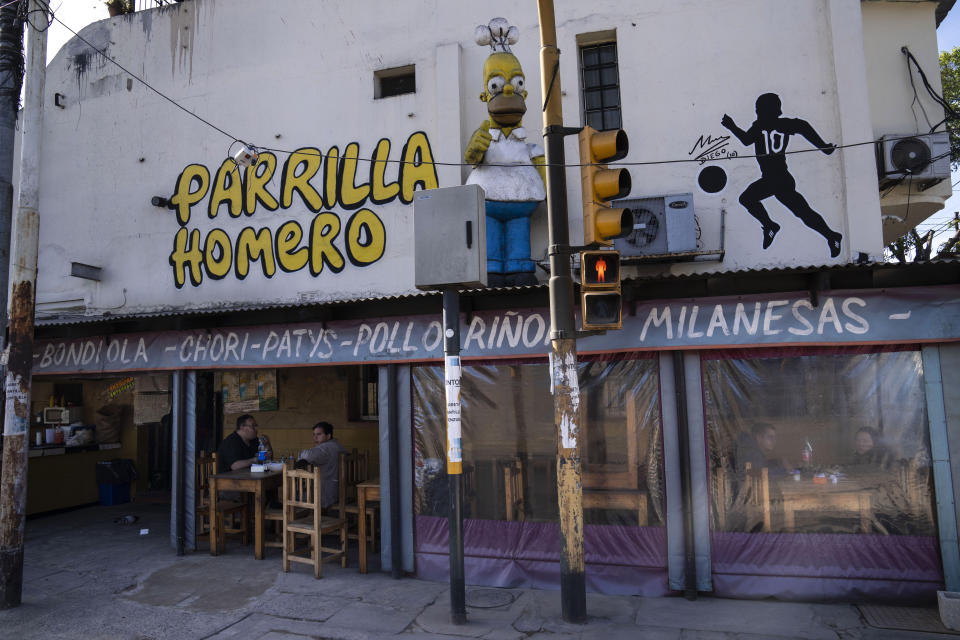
[662, 225]
[450, 238]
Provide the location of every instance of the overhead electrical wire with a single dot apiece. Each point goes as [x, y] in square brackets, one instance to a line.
[44, 3]
[952, 113]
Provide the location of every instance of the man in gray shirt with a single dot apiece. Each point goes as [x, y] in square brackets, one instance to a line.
[325, 454]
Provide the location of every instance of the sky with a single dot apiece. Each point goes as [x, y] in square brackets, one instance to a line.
[79, 13]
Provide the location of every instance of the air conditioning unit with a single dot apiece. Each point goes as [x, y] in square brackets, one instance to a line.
[662, 225]
[917, 157]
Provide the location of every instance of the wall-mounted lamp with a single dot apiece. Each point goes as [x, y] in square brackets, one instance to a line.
[247, 155]
[85, 271]
[60, 100]
[160, 201]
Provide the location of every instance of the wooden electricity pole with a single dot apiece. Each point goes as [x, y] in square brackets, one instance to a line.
[563, 337]
[23, 277]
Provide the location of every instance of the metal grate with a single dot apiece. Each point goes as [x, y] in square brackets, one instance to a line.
[600, 83]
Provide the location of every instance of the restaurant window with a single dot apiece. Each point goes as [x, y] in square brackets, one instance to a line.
[832, 441]
[600, 82]
[510, 450]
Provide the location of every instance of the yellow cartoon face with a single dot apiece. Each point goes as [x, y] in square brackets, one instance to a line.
[504, 89]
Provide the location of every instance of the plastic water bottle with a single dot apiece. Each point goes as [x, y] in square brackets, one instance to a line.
[806, 454]
[262, 451]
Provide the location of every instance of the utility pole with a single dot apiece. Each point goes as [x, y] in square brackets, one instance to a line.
[563, 356]
[23, 272]
[11, 82]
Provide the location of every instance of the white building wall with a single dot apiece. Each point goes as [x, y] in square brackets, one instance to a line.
[894, 109]
[300, 74]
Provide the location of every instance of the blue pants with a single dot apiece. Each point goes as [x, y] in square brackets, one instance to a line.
[508, 236]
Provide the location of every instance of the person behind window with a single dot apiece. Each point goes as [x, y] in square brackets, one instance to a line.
[756, 449]
[867, 450]
[325, 454]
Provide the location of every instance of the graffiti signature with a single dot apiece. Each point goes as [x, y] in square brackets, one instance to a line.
[710, 147]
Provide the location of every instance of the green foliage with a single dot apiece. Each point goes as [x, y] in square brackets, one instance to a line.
[950, 75]
[914, 247]
[118, 7]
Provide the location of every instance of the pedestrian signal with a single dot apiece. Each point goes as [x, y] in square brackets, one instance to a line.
[600, 294]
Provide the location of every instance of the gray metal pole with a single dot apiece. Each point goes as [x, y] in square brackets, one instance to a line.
[686, 487]
[189, 459]
[451, 352]
[563, 357]
[23, 272]
[177, 417]
[393, 432]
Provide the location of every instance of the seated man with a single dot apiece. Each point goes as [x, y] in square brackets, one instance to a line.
[756, 448]
[325, 454]
[239, 449]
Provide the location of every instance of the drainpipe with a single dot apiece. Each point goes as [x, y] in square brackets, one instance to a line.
[23, 274]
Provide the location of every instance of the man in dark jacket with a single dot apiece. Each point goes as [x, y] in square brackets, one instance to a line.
[239, 449]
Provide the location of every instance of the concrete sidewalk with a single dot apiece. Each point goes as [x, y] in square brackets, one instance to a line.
[86, 577]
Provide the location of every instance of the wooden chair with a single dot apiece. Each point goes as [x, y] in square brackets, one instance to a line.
[513, 490]
[273, 518]
[233, 517]
[354, 469]
[302, 490]
[757, 487]
[722, 495]
[914, 483]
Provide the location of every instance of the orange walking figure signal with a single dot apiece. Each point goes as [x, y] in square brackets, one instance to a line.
[601, 267]
[600, 298]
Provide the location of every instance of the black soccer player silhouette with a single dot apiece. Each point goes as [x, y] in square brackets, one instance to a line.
[769, 134]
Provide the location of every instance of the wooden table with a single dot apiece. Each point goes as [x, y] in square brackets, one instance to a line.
[257, 483]
[631, 499]
[846, 495]
[369, 490]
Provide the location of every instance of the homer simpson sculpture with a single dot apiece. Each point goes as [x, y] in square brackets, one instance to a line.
[510, 171]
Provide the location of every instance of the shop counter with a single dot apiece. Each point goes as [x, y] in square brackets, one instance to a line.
[60, 477]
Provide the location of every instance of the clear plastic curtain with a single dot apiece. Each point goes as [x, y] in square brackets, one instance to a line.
[509, 442]
[818, 442]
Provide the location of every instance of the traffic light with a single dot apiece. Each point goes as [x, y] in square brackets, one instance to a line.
[600, 298]
[598, 185]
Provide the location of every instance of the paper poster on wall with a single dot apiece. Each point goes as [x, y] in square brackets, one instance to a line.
[251, 390]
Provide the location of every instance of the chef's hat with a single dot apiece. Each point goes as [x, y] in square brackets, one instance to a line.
[498, 34]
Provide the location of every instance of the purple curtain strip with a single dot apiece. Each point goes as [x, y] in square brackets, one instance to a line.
[620, 560]
[517, 574]
[607, 545]
[626, 560]
[827, 555]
